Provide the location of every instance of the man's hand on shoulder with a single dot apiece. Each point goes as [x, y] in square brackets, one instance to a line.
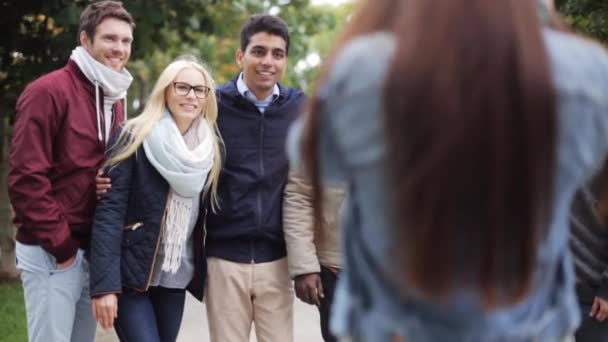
[102, 183]
[309, 288]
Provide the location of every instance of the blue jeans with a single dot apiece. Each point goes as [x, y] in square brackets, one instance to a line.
[57, 302]
[151, 316]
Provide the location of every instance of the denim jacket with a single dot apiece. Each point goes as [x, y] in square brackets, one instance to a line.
[352, 150]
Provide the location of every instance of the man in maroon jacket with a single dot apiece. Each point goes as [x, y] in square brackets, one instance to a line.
[63, 122]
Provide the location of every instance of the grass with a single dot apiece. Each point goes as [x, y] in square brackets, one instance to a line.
[13, 326]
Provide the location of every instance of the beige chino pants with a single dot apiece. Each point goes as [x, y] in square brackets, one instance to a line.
[238, 295]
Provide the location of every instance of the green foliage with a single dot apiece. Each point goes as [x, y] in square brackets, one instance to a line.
[589, 17]
[214, 37]
[38, 37]
[12, 313]
[32, 42]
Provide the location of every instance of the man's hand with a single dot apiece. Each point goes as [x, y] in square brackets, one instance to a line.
[599, 309]
[105, 310]
[67, 263]
[102, 183]
[309, 288]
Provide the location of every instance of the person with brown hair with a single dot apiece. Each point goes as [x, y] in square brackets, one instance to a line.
[462, 130]
[62, 124]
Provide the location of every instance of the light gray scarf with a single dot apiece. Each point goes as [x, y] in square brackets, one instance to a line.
[113, 83]
[186, 170]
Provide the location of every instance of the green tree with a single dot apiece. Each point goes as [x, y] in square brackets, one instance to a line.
[213, 35]
[589, 17]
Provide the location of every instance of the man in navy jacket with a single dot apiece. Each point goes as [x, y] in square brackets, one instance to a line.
[248, 281]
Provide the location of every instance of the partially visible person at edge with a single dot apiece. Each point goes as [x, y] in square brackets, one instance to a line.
[248, 280]
[588, 242]
[462, 129]
[62, 124]
[313, 253]
[146, 246]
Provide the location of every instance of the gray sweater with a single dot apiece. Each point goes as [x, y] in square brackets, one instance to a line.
[184, 274]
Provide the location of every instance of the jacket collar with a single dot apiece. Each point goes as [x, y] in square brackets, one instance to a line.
[73, 69]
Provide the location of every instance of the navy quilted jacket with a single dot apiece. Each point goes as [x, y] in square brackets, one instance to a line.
[126, 230]
[248, 228]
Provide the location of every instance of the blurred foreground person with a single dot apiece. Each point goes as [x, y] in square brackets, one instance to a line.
[463, 129]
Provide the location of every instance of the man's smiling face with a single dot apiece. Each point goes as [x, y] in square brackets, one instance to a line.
[111, 44]
[263, 63]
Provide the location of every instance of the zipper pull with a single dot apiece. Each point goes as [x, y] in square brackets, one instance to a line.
[134, 226]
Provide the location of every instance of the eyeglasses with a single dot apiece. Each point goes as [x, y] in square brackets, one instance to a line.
[183, 89]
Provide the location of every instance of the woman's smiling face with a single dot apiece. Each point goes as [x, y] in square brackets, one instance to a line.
[186, 97]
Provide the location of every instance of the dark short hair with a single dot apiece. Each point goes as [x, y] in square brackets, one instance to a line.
[264, 23]
[96, 12]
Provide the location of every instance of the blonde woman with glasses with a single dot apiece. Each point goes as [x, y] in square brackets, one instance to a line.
[147, 241]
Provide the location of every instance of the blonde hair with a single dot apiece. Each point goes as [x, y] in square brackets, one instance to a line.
[135, 130]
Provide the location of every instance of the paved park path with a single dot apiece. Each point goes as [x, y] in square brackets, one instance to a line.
[194, 325]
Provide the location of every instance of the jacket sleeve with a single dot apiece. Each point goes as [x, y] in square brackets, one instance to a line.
[298, 227]
[107, 231]
[30, 162]
[602, 290]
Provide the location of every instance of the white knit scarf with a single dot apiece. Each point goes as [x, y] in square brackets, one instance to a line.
[186, 170]
[113, 83]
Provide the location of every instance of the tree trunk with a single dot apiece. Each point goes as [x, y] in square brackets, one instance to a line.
[7, 259]
[7, 230]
